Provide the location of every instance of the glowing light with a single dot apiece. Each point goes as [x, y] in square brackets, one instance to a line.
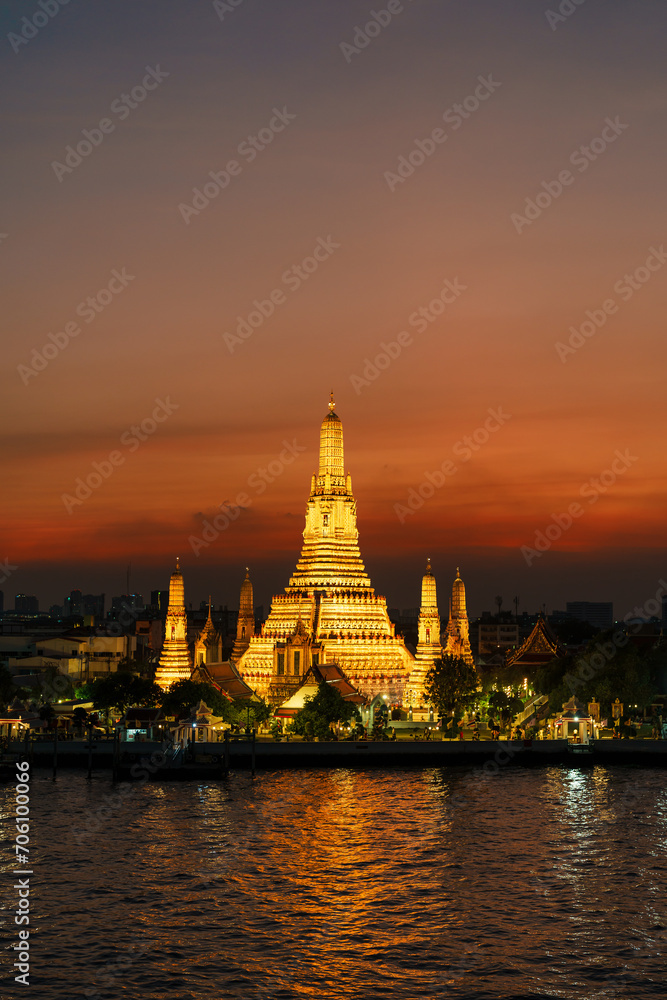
[329, 607]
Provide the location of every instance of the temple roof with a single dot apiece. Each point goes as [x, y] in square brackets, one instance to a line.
[540, 646]
[329, 672]
[224, 678]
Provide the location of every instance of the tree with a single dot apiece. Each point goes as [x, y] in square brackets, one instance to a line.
[322, 711]
[120, 690]
[7, 686]
[54, 686]
[498, 702]
[182, 696]
[452, 686]
[142, 667]
[507, 706]
[80, 717]
[47, 714]
[248, 711]
[604, 671]
[574, 632]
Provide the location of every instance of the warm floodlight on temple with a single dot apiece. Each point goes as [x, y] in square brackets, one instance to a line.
[329, 611]
[175, 661]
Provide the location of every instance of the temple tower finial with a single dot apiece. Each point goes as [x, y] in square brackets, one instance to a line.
[332, 403]
[331, 450]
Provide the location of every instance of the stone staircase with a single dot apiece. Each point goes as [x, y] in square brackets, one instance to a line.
[531, 708]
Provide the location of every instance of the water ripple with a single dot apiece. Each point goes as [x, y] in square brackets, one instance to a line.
[352, 884]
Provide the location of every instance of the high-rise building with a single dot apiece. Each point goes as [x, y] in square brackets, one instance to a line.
[458, 631]
[160, 600]
[175, 663]
[26, 604]
[79, 605]
[597, 613]
[73, 605]
[125, 603]
[329, 610]
[496, 636]
[93, 604]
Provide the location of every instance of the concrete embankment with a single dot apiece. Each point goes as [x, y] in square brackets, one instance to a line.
[210, 757]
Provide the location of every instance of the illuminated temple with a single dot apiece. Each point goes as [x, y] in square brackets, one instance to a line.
[328, 614]
[175, 661]
[329, 611]
[428, 638]
[245, 627]
[458, 633]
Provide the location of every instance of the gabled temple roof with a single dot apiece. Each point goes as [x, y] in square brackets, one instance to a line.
[329, 672]
[332, 674]
[540, 646]
[224, 678]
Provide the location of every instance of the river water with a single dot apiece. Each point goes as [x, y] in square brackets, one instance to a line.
[544, 882]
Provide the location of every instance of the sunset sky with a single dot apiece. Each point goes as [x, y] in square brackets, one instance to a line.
[582, 98]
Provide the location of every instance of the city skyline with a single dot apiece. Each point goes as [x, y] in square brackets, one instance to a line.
[450, 221]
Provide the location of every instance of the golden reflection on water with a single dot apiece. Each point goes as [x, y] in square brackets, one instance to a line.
[349, 884]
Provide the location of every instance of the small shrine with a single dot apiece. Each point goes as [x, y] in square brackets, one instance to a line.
[575, 723]
[201, 727]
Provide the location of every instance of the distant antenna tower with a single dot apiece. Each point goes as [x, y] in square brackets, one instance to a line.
[499, 602]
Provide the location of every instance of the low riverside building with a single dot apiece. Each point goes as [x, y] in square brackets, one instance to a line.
[142, 724]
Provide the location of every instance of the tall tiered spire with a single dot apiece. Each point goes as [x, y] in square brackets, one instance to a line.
[458, 608]
[331, 453]
[330, 556]
[245, 626]
[330, 594]
[458, 637]
[428, 638]
[208, 645]
[175, 663]
[429, 599]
